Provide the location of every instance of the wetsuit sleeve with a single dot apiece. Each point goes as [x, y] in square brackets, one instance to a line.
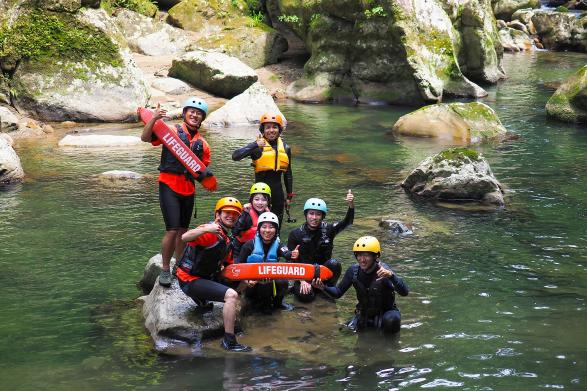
[399, 285]
[288, 174]
[343, 285]
[243, 223]
[293, 239]
[251, 150]
[340, 225]
[245, 251]
[283, 251]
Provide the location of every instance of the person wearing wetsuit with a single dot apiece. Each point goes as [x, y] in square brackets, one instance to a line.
[176, 186]
[271, 158]
[207, 251]
[266, 295]
[375, 285]
[313, 242]
[246, 225]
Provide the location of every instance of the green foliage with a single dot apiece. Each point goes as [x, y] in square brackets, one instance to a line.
[315, 20]
[457, 154]
[293, 19]
[257, 18]
[561, 8]
[43, 35]
[375, 11]
[145, 7]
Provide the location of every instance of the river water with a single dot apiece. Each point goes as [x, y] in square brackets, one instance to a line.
[497, 297]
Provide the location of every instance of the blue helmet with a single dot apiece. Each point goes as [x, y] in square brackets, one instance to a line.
[196, 103]
[315, 204]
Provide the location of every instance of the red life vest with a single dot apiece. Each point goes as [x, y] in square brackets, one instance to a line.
[250, 233]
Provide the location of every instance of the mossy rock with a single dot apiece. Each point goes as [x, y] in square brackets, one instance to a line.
[569, 102]
[461, 122]
[144, 7]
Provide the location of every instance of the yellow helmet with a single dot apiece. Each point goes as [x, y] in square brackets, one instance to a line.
[229, 203]
[367, 243]
[260, 187]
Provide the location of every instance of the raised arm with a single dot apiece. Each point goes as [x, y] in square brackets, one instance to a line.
[147, 135]
[251, 149]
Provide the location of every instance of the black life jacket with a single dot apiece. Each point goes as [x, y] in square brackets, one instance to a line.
[204, 261]
[374, 299]
[169, 163]
[316, 252]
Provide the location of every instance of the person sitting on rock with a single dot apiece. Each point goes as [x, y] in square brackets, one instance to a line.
[176, 186]
[246, 225]
[272, 160]
[207, 251]
[313, 242]
[265, 295]
[375, 285]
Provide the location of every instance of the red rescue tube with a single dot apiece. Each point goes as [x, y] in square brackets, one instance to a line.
[186, 157]
[275, 270]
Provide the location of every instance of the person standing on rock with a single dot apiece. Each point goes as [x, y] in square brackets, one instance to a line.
[207, 251]
[272, 161]
[176, 186]
[375, 285]
[313, 242]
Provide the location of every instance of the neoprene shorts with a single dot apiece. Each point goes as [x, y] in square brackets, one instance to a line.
[202, 289]
[177, 209]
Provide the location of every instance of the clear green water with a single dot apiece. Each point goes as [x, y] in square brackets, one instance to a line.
[497, 301]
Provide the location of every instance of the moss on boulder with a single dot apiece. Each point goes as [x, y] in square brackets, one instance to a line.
[569, 102]
[144, 7]
[454, 122]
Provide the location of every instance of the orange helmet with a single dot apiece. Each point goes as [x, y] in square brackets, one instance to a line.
[273, 117]
[229, 203]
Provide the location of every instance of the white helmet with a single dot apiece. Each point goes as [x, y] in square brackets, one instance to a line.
[268, 217]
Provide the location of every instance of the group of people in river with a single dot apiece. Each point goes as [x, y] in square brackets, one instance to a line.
[250, 234]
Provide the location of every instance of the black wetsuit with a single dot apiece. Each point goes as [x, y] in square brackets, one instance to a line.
[376, 306]
[261, 295]
[316, 247]
[272, 178]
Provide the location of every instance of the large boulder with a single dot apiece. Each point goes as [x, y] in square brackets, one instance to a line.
[244, 109]
[479, 51]
[10, 167]
[514, 40]
[402, 52]
[569, 102]
[175, 322]
[170, 85]
[560, 30]
[8, 120]
[504, 9]
[79, 73]
[455, 175]
[453, 122]
[150, 36]
[217, 73]
[229, 28]
[152, 270]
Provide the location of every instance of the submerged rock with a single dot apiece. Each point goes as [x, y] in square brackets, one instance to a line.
[10, 167]
[569, 102]
[175, 322]
[463, 122]
[213, 72]
[396, 227]
[455, 175]
[99, 141]
[244, 109]
[120, 175]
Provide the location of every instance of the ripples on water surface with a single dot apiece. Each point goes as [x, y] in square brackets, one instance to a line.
[497, 301]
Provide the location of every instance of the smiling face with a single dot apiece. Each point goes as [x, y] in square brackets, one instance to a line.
[314, 218]
[259, 202]
[193, 117]
[365, 259]
[267, 231]
[227, 217]
[270, 131]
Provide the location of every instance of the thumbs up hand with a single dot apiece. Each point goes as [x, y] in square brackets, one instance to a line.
[295, 254]
[159, 112]
[350, 199]
[260, 141]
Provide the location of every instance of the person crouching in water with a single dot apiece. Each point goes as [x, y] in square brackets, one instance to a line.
[271, 158]
[266, 295]
[207, 251]
[246, 225]
[375, 285]
[313, 242]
